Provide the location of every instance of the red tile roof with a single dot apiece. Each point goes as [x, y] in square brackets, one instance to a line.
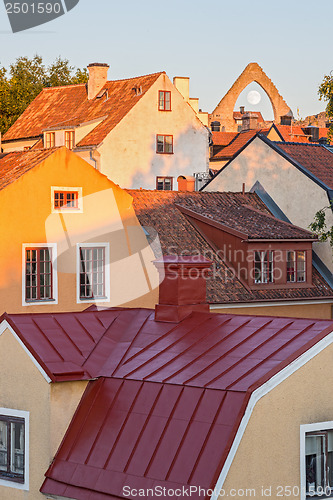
[314, 157]
[157, 209]
[241, 139]
[170, 397]
[69, 105]
[237, 214]
[14, 165]
[292, 133]
[223, 138]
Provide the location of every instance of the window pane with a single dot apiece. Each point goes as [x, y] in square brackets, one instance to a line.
[167, 105]
[168, 144]
[160, 144]
[291, 267]
[161, 100]
[17, 447]
[3, 446]
[301, 266]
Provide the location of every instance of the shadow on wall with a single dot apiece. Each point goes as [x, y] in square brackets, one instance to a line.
[190, 155]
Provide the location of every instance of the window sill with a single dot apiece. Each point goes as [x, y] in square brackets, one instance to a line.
[39, 301]
[93, 299]
[163, 153]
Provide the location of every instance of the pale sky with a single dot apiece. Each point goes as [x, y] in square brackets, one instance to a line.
[211, 42]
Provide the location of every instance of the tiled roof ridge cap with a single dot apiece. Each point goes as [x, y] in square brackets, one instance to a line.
[70, 86]
[311, 144]
[136, 77]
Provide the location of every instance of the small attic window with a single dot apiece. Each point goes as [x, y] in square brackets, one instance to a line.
[137, 90]
[103, 93]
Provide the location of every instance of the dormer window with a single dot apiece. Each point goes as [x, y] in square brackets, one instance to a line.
[164, 100]
[263, 267]
[296, 267]
[49, 140]
[69, 139]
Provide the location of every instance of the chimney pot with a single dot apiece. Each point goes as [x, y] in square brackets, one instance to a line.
[183, 289]
[98, 75]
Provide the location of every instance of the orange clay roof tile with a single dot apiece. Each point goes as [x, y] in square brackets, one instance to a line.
[69, 106]
[14, 165]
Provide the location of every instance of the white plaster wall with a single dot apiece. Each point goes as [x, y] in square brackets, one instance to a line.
[128, 154]
[296, 195]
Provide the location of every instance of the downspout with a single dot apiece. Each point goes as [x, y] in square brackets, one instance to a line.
[95, 156]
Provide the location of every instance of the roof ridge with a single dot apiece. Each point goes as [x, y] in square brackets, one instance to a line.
[135, 77]
[299, 143]
[71, 85]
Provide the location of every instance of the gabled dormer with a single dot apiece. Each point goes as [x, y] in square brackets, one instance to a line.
[262, 251]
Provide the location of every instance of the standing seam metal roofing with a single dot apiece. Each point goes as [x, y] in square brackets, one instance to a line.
[169, 399]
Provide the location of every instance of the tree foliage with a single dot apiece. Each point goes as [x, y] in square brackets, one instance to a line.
[26, 78]
[319, 226]
[326, 94]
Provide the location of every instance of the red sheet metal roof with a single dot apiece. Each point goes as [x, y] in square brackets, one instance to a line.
[70, 104]
[168, 404]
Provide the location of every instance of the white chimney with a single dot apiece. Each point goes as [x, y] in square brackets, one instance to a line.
[98, 75]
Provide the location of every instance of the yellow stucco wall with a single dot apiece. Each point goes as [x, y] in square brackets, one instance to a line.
[269, 452]
[319, 311]
[50, 406]
[107, 217]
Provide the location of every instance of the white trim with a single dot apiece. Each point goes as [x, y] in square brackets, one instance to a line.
[5, 325]
[270, 304]
[66, 211]
[54, 300]
[258, 394]
[25, 415]
[318, 426]
[107, 289]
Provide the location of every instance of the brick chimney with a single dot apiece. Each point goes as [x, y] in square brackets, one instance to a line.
[249, 121]
[183, 289]
[186, 183]
[98, 74]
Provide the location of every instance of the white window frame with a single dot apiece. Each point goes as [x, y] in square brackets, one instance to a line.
[78, 210]
[24, 415]
[54, 300]
[106, 247]
[295, 252]
[304, 429]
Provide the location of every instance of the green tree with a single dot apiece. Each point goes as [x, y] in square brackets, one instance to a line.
[319, 227]
[24, 81]
[326, 94]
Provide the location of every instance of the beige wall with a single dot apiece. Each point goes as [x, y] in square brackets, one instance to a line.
[269, 452]
[128, 153]
[319, 311]
[51, 407]
[296, 195]
[18, 145]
